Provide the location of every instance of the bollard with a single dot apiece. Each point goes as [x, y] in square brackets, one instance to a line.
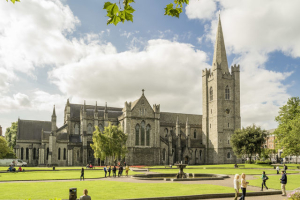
[73, 194]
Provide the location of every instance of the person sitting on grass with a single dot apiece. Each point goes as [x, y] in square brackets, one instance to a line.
[85, 195]
[20, 169]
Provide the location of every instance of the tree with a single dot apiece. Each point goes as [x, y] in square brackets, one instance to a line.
[248, 141]
[11, 134]
[288, 131]
[5, 151]
[117, 15]
[109, 143]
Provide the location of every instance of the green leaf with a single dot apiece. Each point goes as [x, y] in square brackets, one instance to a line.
[126, 2]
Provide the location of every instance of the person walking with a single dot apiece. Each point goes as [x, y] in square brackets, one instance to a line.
[105, 170]
[127, 169]
[285, 168]
[109, 170]
[85, 195]
[277, 168]
[264, 179]
[82, 174]
[114, 171]
[283, 182]
[236, 185]
[243, 186]
[119, 171]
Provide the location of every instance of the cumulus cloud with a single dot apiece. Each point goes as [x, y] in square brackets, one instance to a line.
[201, 9]
[170, 70]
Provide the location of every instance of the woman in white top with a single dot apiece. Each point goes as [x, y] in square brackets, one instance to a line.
[236, 184]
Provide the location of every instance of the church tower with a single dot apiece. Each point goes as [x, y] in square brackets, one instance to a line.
[221, 105]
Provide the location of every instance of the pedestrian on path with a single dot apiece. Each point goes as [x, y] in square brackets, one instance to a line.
[236, 184]
[244, 184]
[264, 179]
[283, 182]
[277, 168]
[105, 170]
[109, 170]
[82, 174]
[285, 168]
[127, 169]
[114, 171]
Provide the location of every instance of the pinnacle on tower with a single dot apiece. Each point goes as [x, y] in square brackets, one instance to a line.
[53, 114]
[84, 106]
[187, 121]
[105, 109]
[143, 92]
[96, 108]
[220, 57]
[177, 121]
[68, 103]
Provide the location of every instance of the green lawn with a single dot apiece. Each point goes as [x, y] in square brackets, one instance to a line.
[274, 182]
[105, 189]
[231, 166]
[221, 171]
[46, 168]
[53, 175]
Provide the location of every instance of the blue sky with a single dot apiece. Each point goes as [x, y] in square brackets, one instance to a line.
[54, 50]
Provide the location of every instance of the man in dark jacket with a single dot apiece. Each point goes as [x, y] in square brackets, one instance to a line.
[283, 182]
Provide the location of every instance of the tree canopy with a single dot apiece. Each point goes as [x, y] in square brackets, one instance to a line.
[109, 143]
[288, 131]
[11, 134]
[116, 14]
[14, 1]
[248, 141]
[5, 151]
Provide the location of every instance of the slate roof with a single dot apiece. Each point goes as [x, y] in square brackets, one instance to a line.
[112, 111]
[75, 138]
[62, 136]
[171, 118]
[32, 129]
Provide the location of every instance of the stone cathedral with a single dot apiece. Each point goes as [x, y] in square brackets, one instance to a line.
[154, 137]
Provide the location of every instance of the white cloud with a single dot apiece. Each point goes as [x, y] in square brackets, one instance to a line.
[170, 72]
[201, 9]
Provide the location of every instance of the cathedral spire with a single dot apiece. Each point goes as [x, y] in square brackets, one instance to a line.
[54, 114]
[220, 58]
[96, 108]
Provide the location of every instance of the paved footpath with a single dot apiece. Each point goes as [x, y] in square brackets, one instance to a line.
[269, 197]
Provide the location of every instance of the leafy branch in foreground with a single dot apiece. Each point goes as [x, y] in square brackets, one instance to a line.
[14, 1]
[117, 15]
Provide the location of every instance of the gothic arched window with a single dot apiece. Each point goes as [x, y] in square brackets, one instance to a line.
[76, 129]
[195, 134]
[137, 134]
[47, 153]
[34, 153]
[89, 129]
[27, 153]
[58, 154]
[148, 135]
[227, 93]
[164, 154]
[22, 153]
[228, 155]
[211, 96]
[166, 132]
[142, 133]
[65, 153]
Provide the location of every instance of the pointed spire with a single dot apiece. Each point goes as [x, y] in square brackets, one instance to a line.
[96, 108]
[68, 103]
[105, 109]
[143, 92]
[187, 121]
[84, 106]
[177, 121]
[53, 114]
[220, 57]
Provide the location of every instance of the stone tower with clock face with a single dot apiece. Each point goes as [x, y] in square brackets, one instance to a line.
[221, 105]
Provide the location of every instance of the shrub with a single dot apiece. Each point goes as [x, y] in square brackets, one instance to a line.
[269, 162]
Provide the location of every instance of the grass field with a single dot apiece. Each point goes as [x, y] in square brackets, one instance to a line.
[105, 189]
[274, 182]
[47, 168]
[221, 171]
[231, 166]
[53, 175]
